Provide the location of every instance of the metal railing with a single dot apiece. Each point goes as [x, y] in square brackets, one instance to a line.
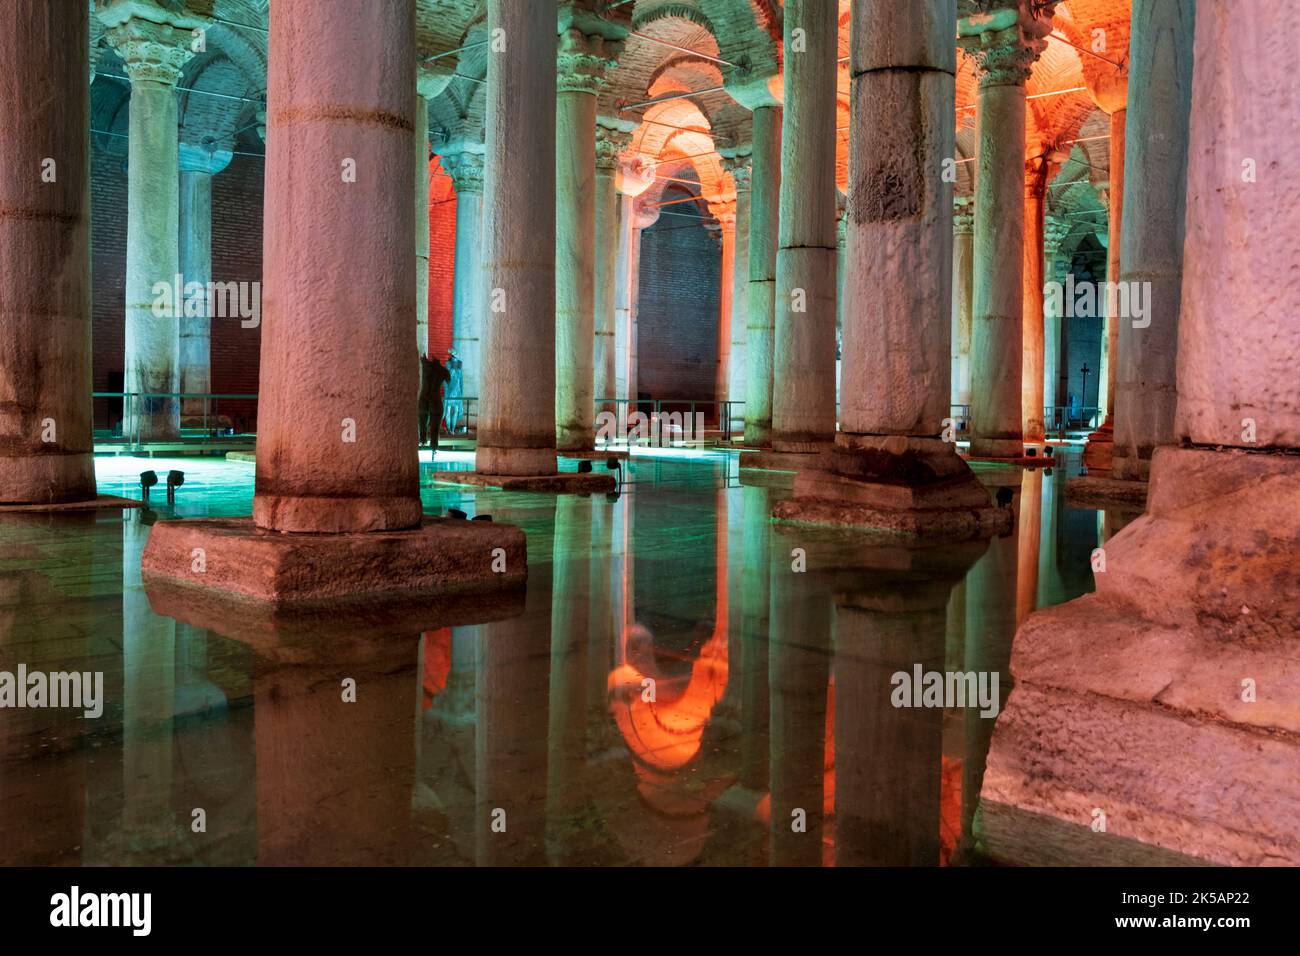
[126, 417]
[721, 420]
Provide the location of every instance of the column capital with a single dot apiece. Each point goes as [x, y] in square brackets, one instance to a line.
[153, 44]
[465, 169]
[963, 215]
[741, 167]
[610, 144]
[202, 159]
[724, 210]
[583, 60]
[1054, 231]
[1006, 40]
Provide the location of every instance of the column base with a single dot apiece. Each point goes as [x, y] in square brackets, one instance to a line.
[1099, 450]
[997, 449]
[239, 559]
[899, 484]
[1098, 491]
[563, 482]
[89, 504]
[514, 460]
[1129, 700]
[778, 461]
[758, 434]
[1130, 468]
[47, 479]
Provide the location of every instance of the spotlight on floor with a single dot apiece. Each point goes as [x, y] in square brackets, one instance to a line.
[456, 513]
[1004, 497]
[612, 464]
[174, 480]
[584, 467]
[1049, 452]
[481, 518]
[147, 480]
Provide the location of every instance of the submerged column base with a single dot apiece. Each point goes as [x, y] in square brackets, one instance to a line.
[1176, 682]
[896, 483]
[235, 557]
[1099, 451]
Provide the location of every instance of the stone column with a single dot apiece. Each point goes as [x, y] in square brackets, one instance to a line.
[841, 267]
[152, 54]
[336, 423]
[45, 377]
[516, 434]
[963, 227]
[725, 213]
[580, 78]
[633, 179]
[761, 294]
[609, 143]
[421, 216]
[1031, 367]
[738, 357]
[1004, 55]
[1151, 240]
[803, 390]
[468, 281]
[197, 166]
[1054, 231]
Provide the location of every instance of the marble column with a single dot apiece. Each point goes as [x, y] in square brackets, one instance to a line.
[421, 216]
[468, 281]
[516, 434]
[1054, 270]
[1151, 239]
[1031, 365]
[197, 167]
[963, 227]
[336, 422]
[738, 357]
[761, 296]
[725, 213]
[152, 55]
[581, 68]
[45, 373]
[609, 143]
[624, 294]
[803, 390]
[1004, 57]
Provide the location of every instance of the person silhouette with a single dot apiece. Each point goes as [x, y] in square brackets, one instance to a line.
[454, 394]
[432, 377]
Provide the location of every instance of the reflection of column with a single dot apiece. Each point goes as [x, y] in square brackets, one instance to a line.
[990, 626]
[335, 419]
[1033, 345]
[581, 77]
[803, 389]
[148, 699]
[567, 727]
[1054, 267]
[198, 166]
[1160, 51]
[798, 672]
[468, 283]
[755, 609]
[963, 225]
[608, 145]
[761, 295]
[45, 374]
[153, 54]
[1029, 522]
[516, 434]
[1004, 57]
[740, 169]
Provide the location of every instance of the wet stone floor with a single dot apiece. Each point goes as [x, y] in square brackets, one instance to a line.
[683, 683]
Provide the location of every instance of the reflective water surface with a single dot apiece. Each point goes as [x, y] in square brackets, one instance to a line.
[683, 682]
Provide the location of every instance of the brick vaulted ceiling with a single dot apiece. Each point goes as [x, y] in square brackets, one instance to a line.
[674, 47]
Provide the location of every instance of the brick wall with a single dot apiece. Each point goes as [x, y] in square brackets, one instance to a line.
[442, 258]
[677, 317]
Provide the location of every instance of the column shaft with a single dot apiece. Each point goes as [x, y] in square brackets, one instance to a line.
[1114, 229]
[516, 434]
[763, 213]
[468, 280]
[336, 421]
[623, 286]
[1031, 378]
[726, 311]
[606, 252]
[45, 372]
[195, 266]
[803, 391]
[962, 289]
[1151, 240]
[421, 216]
[738, 356]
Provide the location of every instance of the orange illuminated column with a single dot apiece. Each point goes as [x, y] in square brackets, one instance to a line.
[1031, 369]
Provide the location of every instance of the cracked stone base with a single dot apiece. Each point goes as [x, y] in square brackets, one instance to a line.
[566, 482]
[1101, 492]
[90, 504]
[905, 485]
[1130, 700]
[1099, 450]
[442, 556]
